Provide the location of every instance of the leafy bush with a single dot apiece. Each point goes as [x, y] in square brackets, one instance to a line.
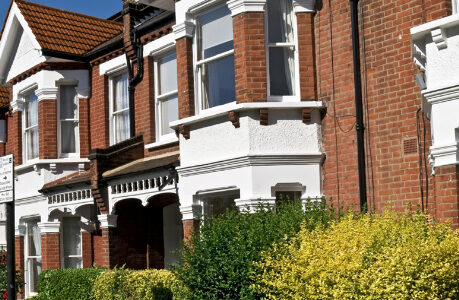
[370, 257]
[69, 284]
[3, 276]
[217, 263]
[123, 284]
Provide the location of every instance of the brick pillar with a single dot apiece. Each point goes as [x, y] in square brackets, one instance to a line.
[14, 143]
[98, 110]
[47, 123]
[102, 253]
[447, 194]
[19, 254]
[306, 53]
[87, 249]
[83, 115]
[190, 220]
[190, 227]
[50, 245]
[249, 52]
[145, 104]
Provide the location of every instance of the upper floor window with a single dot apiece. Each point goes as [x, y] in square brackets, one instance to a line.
[280, 48]
[119, 109]
[30, 126]
[215, 58]
[166, 94]
[68, 120]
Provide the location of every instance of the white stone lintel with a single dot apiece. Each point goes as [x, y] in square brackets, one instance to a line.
[304, 6]
[444, 155]
[17, 105]
[47, 93]
[49, 227]
[108, 221]
[20, 230]
[191, 212]
[185, 29]
[242, 6]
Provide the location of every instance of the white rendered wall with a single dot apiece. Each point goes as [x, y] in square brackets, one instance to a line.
[172, 230]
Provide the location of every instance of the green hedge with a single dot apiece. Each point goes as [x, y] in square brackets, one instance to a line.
[218, 263]
[68, 284]
[123, 284]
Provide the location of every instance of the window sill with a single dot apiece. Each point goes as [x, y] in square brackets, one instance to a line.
[162, 143]
[225, 109]
[32, 163]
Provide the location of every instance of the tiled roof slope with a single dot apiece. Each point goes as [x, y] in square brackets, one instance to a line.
[4, 96]
[65, 31]
[71, 179]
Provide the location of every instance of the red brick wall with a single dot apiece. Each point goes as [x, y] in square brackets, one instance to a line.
[47, 128]
[19, 257]
[306, 54]
[101, 249]
[50, 251]
[87, 250]
[189, 227]
[145, 104]
[250, 57]
[83, 114]
[391, 98]
[185, 81]
[14, 143]
[98, 111]
[446, 201]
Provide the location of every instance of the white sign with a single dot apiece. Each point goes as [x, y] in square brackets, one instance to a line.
[6, 178]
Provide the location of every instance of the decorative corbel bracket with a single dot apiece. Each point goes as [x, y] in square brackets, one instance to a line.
[185, 131]
[306, 115]
[264, 112]
[234, 118]
[439, 38]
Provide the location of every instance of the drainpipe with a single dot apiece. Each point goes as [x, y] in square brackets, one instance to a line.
[360, 128]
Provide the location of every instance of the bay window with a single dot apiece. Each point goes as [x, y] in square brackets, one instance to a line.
[71, 241]
[31, 126]
[119, 109]
[280, 48]
[32, 255]
[215, 57]
[166, 94]
[68, 120]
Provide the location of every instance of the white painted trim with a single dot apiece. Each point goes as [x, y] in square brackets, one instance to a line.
[185, 29]
[17, 105]
[421, 31]
[47, 93]
[445, 155]
[160, 46]
[31, 164]
[162, 143]
[115, 65]
[252, 204]
[191, 212]
[204, 5]
[304, 6]
[222, 110]
[249, 161]
[49, 227]
[440, 95]
[242, 6]
[76, 154]
[108, 221]
[20, 230]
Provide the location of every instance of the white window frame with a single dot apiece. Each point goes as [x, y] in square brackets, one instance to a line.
[198, 64]
[61, 242]
[111, 98]
[455, 6]
[227, 192]
[59, 126]
[296, 97]
[27, 273]
[23, 95]
[158, 98]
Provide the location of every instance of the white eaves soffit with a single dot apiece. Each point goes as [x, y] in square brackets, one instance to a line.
[17, 38]
[164, 4]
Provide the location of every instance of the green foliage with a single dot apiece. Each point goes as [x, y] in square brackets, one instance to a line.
[366, 257]
[123, 284]
[69, 284]
[217, 264]
[3, 276]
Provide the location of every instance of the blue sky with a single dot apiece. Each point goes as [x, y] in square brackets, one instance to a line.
[98, 8]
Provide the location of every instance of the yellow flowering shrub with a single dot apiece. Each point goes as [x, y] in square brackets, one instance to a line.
[151, 284]
[366, 257]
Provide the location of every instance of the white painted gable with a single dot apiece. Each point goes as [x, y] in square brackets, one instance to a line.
[19, 50]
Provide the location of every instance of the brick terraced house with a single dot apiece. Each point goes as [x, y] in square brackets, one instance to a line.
[125, 131]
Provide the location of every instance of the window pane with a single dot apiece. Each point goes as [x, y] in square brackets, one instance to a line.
[69, 129]
[280, 29]
[120, 92]
[32, 110]
[281, 71]
[34, 266]
[33, 238]
[217, 205]
[218, 82]
[72, 236]
[32, 143]
[169, 113]
[216, 32]
[168, 74]
[68, 102]
[72, 262]
[121, 123]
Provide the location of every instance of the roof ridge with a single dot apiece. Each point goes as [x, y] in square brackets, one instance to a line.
[66, 11]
